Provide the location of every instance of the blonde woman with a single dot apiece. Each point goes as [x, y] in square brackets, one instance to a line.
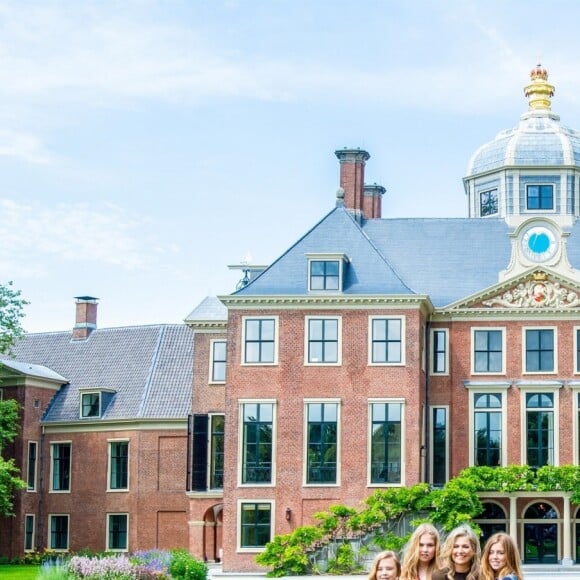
[386, 566]
[421, 554]
[460, 555]
[501, 559]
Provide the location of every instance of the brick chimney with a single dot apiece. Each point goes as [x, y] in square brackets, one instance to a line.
[352, 178]
[373, 200]
[86, 317]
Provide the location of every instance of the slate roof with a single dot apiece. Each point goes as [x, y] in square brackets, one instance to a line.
[446, 259]
[210, 309]
[149, 367]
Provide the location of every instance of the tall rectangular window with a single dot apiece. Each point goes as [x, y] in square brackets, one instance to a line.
[323, 340]
[487, 351]
[257, 442]
[216, 473]
[540, 197]
[322, 443]
[117, 528]
[218, 361]
[61, 466]
[488, 203]
[439, 446]
[386, 340]
[386, 442]
[58, 532]
[539, 350]
[439, 357]
[90, 405]
[324, 275]
[488, 433]
[255, 524]
[29, 533]
[118, 465]
[540, 429]
[31, 471]
[259, 340]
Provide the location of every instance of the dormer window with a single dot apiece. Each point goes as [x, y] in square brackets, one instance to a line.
[90, 405]
[325, 272]
[94, 401]
[488, 203]
[540, 197]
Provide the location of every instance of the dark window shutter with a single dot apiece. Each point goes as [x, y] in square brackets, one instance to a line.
[199, 459]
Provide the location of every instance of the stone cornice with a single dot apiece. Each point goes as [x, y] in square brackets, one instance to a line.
[344, 301]
[120, 425]
[471, 314]
[207, 325]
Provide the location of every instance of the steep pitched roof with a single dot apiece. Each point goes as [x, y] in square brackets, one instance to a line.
[369, 270]
[446, 259]
[148, 367]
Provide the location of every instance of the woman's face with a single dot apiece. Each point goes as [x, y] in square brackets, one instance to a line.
[462, 553]
[426, 548]
[497, 557]
[387, 569]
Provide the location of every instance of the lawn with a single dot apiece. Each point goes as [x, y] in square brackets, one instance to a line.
[13, 572]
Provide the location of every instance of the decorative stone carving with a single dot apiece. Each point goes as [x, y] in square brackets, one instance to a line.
[536, 294]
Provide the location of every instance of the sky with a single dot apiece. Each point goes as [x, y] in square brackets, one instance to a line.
[146, 145]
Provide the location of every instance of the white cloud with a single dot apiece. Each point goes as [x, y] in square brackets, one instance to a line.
[31, 234]
[24, 147]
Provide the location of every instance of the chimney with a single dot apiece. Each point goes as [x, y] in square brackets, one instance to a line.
[352, 178]
[86, 317]
[373, 200]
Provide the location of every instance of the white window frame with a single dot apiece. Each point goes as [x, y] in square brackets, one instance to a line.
[212, 361]
[554, 371]
[35, 476]
[484, 191]
[49, 539]
[389, 401]
[576, 331]
[402, 319]
[553, 185]
[107, 525]
[488, 388]
[276, 341]
[432, 354]
[241, 404]
[432, 439]
[110, 465]
[253, 549]
[307, 361]
[337, 402]
[83, 395]
[51, 489]
[342, 260]
[501, 329]
[531, 387]
[33, 547]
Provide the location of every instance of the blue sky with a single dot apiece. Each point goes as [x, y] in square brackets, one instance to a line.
[146, 145]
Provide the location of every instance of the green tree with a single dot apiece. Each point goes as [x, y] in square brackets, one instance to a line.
[11, 313]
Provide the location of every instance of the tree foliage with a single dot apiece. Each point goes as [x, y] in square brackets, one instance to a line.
[11, 313]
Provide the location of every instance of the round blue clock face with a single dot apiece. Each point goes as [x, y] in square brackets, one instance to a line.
[539, 243]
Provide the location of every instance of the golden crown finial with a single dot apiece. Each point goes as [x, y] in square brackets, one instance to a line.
[539, 90]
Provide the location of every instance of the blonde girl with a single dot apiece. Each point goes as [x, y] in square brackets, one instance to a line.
[421, 554]
[460, 555]
[386, 566]
[501, 559]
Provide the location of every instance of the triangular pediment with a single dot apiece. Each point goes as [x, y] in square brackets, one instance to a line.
[536, 290]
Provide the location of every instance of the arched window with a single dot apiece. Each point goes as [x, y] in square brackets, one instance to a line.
[541, 534]
[492, 520]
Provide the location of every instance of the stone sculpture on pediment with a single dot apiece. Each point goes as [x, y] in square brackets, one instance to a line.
[536, 293]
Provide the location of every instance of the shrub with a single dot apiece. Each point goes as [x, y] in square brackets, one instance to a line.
[185, 566]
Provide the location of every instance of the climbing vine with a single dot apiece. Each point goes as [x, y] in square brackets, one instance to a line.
[384, 518]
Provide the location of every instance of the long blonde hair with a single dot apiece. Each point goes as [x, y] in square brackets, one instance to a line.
[410, 565]
[383, 556]
[463, 531]
[512, 554]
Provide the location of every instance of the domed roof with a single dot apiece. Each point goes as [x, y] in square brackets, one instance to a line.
[538, 140]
